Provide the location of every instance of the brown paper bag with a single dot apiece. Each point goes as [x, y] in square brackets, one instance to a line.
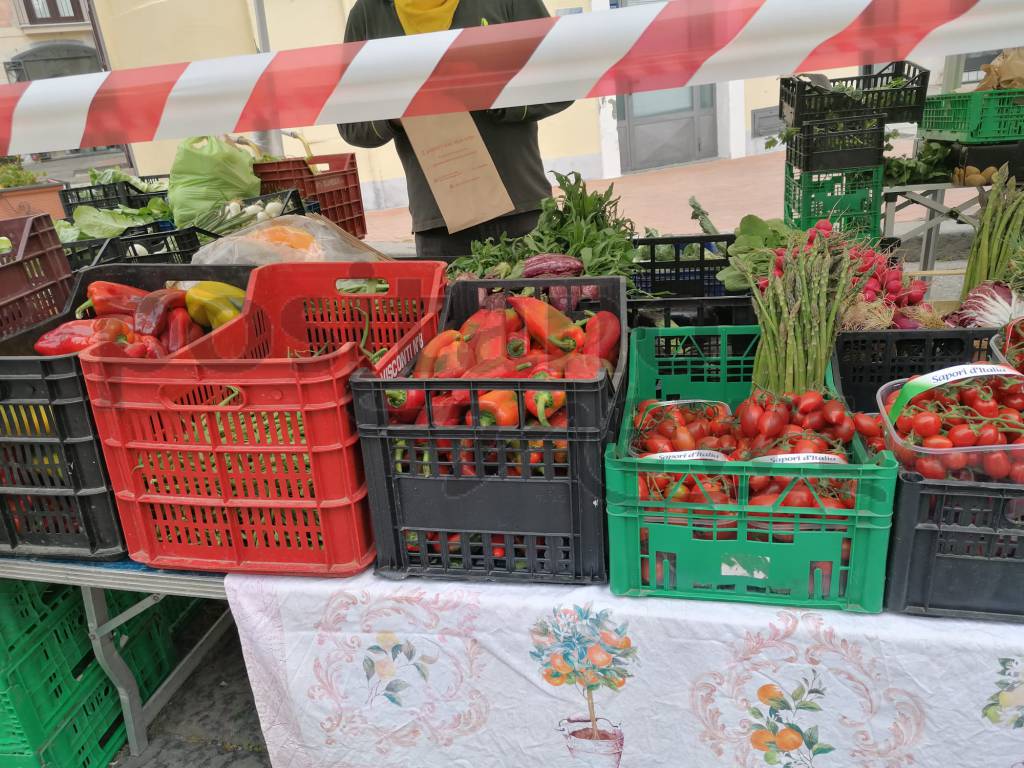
[1005, 72]
[459, 169]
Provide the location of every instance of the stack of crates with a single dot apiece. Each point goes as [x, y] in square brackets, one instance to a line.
[834, 164]
[987, 128]
[57, 705]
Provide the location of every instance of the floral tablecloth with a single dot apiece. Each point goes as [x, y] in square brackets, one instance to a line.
[371, 673]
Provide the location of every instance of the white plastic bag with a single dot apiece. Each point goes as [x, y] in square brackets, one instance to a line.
[287, 239]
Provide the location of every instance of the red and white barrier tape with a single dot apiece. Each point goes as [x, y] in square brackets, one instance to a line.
[641, 48]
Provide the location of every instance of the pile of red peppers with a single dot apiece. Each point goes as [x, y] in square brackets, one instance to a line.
[530, 339]
[147, 324]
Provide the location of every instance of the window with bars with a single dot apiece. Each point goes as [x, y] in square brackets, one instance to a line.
[53, 11]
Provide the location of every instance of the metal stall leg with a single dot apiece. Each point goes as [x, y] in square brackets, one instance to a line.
[930, 238]
[127, 689]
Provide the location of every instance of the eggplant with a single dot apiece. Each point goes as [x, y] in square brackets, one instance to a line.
[552, 265]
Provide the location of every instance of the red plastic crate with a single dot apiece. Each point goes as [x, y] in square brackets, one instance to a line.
[35, 276]
[336, 189]
[240, 453]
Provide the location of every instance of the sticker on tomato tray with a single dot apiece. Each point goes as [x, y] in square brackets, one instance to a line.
[929, 381]
[802, 458]
[702, 455]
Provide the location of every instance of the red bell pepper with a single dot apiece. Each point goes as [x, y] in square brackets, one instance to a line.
[404, 405]
[489, 340]
[454, 360]
[447, 413]
[474, 322]
[544, 403]
[583, 366]
[499, 408]
[110, 299]
[518, 343]
[180, 329]
[76, 335]
[152, 313]
[424, 368]
[513, 322]
[547, 325]
[602, 336]
[146, 347]
[490, 369]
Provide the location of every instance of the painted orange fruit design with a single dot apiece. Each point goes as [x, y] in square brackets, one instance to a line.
[586, 677]
[598, 656]
[559, 663]
[762, 740]
[614, 641]
[787, 740]
[769, 694]
[552, 677]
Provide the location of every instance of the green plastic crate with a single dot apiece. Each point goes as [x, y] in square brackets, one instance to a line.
[26, 608]
[38, 692]
[775, 555]
[851, 199]
[974, 118]
[90, 737]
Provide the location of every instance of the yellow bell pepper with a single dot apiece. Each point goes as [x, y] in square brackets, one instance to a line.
[212, 304]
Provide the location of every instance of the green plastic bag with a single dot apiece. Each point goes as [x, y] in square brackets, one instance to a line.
[208, 172]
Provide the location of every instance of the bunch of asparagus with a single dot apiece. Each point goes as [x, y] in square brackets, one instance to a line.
[799, 308]
[999, 239]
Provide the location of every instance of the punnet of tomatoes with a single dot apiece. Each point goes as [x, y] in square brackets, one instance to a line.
[805, 429]
[970, 430]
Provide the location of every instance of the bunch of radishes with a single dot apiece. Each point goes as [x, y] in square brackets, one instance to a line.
[823, 228]
[888, 284]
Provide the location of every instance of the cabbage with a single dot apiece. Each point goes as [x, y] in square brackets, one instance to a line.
[988, 305]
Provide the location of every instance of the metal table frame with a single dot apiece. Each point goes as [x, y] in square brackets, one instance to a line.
[932, 197]
[93, 579]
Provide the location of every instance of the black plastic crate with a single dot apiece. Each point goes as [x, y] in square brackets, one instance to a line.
[175, 247]
[289, 198]
[109, 196]
[898, 91]
[983, 156]
[957, 549]
[719, 310]
[518, 503]
[84, 253]
[55, 497]
[690, 268]
[830, 145]
[868, 359]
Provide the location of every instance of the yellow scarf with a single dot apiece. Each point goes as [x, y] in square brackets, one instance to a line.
[425, 15]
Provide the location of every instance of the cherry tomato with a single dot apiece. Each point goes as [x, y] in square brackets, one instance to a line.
[954, 461]
[926, 423]
[845, 430]
[867, 425]
[876, 444]
[749, 419]
[986, 408]
[834, 412]
[810, 401]
[962, 436]
[996, 465]
[1013, 400]
[1017, 473]
[814, 421]
[988, 434]
[771, 424]
[930, 468]
[682, 440]
[666, 428]
[937, 441]
[905, 423]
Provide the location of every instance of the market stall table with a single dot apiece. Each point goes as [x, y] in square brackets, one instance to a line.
[371, 673]
[931, 197]
[95, 577]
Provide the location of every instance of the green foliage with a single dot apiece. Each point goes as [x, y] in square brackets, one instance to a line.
[113, 175]
[13, 175]
[579, 223]
[94, 223]
[932, 165]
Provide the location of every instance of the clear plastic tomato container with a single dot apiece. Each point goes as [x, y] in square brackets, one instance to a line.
[957, 461]
[995, 347]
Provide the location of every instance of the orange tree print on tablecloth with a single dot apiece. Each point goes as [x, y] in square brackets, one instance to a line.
[776, 731]
[873, 725]
[386, 664]
[1006, 706]
[583, 648]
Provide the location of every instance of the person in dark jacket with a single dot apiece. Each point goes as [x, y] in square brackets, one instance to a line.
[509, 134]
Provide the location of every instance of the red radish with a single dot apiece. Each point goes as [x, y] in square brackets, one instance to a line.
[873, 285]
[870, 296]
[903, 322]
[824, 225]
